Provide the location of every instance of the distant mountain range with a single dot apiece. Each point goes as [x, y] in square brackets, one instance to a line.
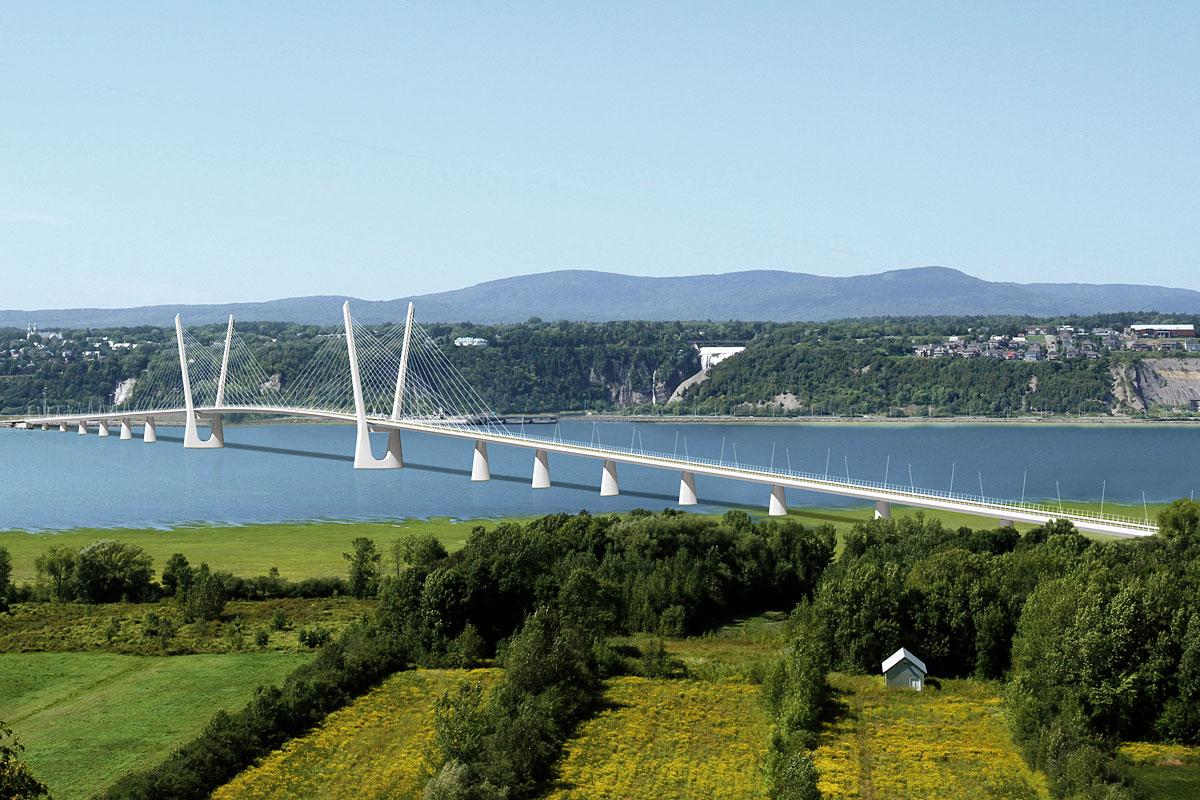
[597, 296]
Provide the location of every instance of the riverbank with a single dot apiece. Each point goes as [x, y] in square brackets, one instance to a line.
[1059, 419]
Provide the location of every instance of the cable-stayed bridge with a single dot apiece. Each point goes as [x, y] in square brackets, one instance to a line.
[396, 379]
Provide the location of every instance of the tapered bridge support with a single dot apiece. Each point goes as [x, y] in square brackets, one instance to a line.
[608, 479]
[778, 506]
[126, 429]
[480, 471]
[83, 428]
[541, 470]
[191, 429]
[62, 427]
[364, 458]
[687, 489]
[149, 431]
[883, 509]
[45, 426]
[102, 427]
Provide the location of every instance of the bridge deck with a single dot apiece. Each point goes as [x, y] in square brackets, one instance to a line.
[864, 490]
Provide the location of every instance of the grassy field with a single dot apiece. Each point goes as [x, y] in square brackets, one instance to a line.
[298, 550]
[77, 627]
[741, 651]
[314, 549]
[373, 748]
[88, 718]
[893, 743]
[669, 739]
[1166, 772]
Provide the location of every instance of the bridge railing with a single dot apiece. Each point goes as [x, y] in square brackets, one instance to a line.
[990, 504]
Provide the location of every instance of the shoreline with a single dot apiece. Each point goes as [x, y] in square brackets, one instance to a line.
[1063, 420]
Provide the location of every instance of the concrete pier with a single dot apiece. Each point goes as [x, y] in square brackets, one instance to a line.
[687, 489]
[778, 507]
[608, 479]
[480, 470]
[541, 470]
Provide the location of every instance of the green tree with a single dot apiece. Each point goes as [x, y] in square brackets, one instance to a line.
[205, 598]
[177, 576]
[57, 566]
[1179, 523]
[16, 780]
[364, 567]
[107, 571]
[417, 550]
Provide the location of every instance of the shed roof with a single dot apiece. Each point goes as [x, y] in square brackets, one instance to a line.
[901, 655]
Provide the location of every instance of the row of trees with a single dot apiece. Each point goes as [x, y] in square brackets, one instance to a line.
[541, 597]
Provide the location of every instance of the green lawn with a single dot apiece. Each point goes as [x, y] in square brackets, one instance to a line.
[88, 718]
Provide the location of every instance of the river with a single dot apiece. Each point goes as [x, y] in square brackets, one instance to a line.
[285, 472]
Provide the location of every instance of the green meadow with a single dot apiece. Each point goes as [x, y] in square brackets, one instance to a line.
[314, 549]
[88, 718]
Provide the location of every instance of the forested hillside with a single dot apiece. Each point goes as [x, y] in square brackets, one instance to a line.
[849, 367]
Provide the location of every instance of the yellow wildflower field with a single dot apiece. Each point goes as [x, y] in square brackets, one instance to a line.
[373, 748]
[667, 739]
[950, 743]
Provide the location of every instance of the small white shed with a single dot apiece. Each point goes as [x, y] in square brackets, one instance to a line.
[904, 670]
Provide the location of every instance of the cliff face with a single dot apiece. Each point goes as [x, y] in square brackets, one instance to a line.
[1168, 383]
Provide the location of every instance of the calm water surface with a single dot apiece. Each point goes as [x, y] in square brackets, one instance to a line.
[271, 473]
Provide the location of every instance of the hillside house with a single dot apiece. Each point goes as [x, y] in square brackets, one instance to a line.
[903, 670]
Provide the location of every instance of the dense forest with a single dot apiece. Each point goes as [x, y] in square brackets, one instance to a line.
[862, 366]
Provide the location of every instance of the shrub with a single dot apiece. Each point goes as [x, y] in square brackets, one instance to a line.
[107, 571]
[314, 637]
[205, 598]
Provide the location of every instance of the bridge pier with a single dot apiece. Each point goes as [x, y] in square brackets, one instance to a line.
[102, 427]
[83, 427]
[45, 427]
[541, 470]
[480, 471]
[62, 427]
[364, 456]
[1004, 523]
[149, 431]
[883, 509]
[687, 489]
[608, 479]
[778, 506]
[126, 430]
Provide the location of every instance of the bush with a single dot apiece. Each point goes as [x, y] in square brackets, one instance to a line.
[107, 571]
[205, 598]
[314, 637]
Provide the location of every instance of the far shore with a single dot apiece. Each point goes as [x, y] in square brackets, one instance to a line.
[730, 419]
[870, 419]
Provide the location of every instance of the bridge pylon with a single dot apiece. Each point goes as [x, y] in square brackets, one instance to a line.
[364, 458]
[191, 433]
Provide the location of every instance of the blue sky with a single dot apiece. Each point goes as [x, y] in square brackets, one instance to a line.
[206, 152]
